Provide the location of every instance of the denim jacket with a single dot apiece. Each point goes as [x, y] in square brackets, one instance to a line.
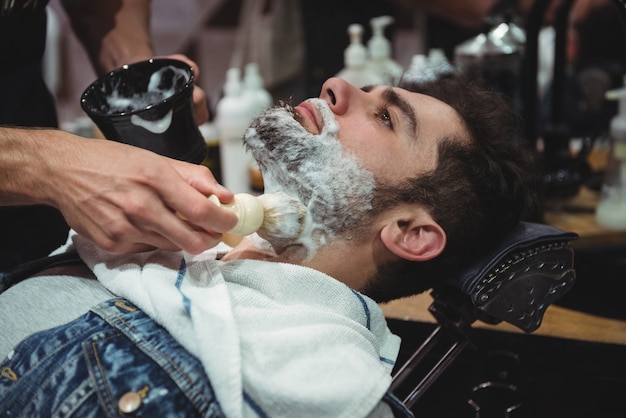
[114, 359]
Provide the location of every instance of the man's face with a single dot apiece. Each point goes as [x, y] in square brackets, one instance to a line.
[394, 133]
[332, 151]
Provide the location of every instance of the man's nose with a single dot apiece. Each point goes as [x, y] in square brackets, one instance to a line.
[337, 93]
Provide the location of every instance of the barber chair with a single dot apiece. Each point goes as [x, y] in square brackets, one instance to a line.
[515, 283]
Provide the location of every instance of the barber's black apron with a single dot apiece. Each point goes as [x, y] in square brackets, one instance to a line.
[25, 232]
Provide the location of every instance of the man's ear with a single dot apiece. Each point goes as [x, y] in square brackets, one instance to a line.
[416, 237]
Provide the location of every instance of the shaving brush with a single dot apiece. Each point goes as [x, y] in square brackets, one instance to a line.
[277, 217]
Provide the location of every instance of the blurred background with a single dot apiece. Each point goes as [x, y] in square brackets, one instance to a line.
[300, 43]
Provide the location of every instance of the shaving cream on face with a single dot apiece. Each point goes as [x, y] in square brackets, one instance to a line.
[329, 181]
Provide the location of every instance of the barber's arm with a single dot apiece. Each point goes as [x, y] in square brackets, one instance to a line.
[124, 198]
[117, 32]
[113, 32]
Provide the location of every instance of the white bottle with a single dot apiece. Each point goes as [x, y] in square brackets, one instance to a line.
[379, 49]
[419, 71]
[232, 120]
[439, 64]
[611, 210]
[356, 69]
[254, 92]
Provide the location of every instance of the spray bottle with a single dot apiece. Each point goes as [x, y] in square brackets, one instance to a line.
[357, 71]
[232, 119]
[380, 52]
[611, 210]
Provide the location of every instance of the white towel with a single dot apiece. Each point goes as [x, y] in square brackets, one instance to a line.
[276, 340]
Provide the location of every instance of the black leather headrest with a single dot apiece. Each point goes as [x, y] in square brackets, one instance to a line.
[521, 277]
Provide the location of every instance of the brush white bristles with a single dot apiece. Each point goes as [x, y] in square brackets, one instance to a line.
[277, 217]
[285, 219]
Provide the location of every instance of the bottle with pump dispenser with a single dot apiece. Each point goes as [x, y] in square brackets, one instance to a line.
[259, 100]
[611, 210]
[425, 68]
[418, 71]
[439, 63]
[254, 91]
[232, 119]
[357, 70]
[379, 49]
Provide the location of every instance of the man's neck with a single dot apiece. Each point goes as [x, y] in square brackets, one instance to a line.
[339, 260]
[247, 248]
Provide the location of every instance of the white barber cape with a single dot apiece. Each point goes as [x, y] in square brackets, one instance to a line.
[276, 340]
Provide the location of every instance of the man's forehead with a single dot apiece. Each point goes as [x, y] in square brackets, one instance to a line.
[436, 116]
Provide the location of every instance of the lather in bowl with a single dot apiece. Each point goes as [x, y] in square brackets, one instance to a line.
[149, 105]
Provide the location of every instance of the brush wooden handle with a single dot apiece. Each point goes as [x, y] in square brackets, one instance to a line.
[248, 209]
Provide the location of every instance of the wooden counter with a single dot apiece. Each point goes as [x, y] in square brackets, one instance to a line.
[578, 215]
[557, 322]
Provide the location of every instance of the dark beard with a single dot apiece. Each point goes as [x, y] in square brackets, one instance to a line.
[314, 168]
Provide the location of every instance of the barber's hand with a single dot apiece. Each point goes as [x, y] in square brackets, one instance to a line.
[199, 97]
[127, 199]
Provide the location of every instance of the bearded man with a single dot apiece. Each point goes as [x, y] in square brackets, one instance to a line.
[402, 188]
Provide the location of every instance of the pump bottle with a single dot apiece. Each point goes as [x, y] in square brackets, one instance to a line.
[379, 49]
[418, 71]
[426, 68]
[258, 100]
[611, 210]
[254, 91]
[439, 64]
[232, 119]
[356, 70]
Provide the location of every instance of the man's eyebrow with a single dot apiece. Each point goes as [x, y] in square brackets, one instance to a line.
[393, 99]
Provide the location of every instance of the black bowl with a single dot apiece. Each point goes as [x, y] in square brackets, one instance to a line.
[149, 105]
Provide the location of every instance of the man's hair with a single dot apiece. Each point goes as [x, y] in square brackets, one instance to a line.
[479, 190]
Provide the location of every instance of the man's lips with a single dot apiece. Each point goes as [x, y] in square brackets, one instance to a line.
[309, 117]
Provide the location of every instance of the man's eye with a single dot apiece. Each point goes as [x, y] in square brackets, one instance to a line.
[384, 116]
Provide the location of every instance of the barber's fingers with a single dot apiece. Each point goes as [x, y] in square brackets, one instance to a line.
[140, 218]
[187, 60]
[201, 110]
[174, 213]
[196, 210]
[200, 107]
[196, 243]
[201, 241]
[201, 178]
[141, 230]
[188, 198]
[164, 229]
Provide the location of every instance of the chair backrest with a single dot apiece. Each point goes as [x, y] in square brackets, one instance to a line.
[518, 280]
